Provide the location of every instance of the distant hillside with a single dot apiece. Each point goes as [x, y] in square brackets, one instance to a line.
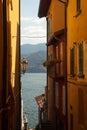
[27, 49]
[35, 62]
[35, 55]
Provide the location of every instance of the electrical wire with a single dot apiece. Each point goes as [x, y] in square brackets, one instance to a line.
[31, 36]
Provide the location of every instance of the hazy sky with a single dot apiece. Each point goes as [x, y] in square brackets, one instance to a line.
[31, 25]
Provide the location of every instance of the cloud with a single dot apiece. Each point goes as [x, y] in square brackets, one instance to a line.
[32, 40]
[34, 30]
[33, 20]
[26, 19]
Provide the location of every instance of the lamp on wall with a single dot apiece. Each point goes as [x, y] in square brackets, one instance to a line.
[24, 64]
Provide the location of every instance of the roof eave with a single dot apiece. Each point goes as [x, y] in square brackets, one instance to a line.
[43, 8]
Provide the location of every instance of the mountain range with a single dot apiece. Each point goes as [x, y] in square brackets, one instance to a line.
[27, 49]
[35, 55]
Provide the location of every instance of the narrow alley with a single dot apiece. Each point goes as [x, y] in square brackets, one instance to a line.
[62, 105]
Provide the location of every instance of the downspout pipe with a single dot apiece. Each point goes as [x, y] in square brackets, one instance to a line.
[4, 89]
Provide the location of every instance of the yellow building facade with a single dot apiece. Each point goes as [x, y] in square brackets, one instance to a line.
[55, 17]
[10, 94]
[55, 22]
[77, 64]
[54, 11]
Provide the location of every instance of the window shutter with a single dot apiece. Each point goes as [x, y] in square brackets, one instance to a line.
[72, 62]
[80, 51]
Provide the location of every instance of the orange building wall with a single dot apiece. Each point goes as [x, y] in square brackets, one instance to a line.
[77, 87]
[56, 13]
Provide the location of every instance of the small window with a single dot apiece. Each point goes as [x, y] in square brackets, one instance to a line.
[78, 5]
[11, 4]
[80, 60]
[78, 9]
[72, 62]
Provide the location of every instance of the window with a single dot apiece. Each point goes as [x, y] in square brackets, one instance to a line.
[56, 94]
[60, 57]
[11, 4]
[78, 8]
[78, 5]
[80, 60]
[72, 62]
[64, 99]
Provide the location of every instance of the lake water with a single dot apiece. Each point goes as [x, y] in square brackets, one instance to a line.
[33, 84]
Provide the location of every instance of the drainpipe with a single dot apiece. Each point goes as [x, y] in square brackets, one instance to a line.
[4, 89]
